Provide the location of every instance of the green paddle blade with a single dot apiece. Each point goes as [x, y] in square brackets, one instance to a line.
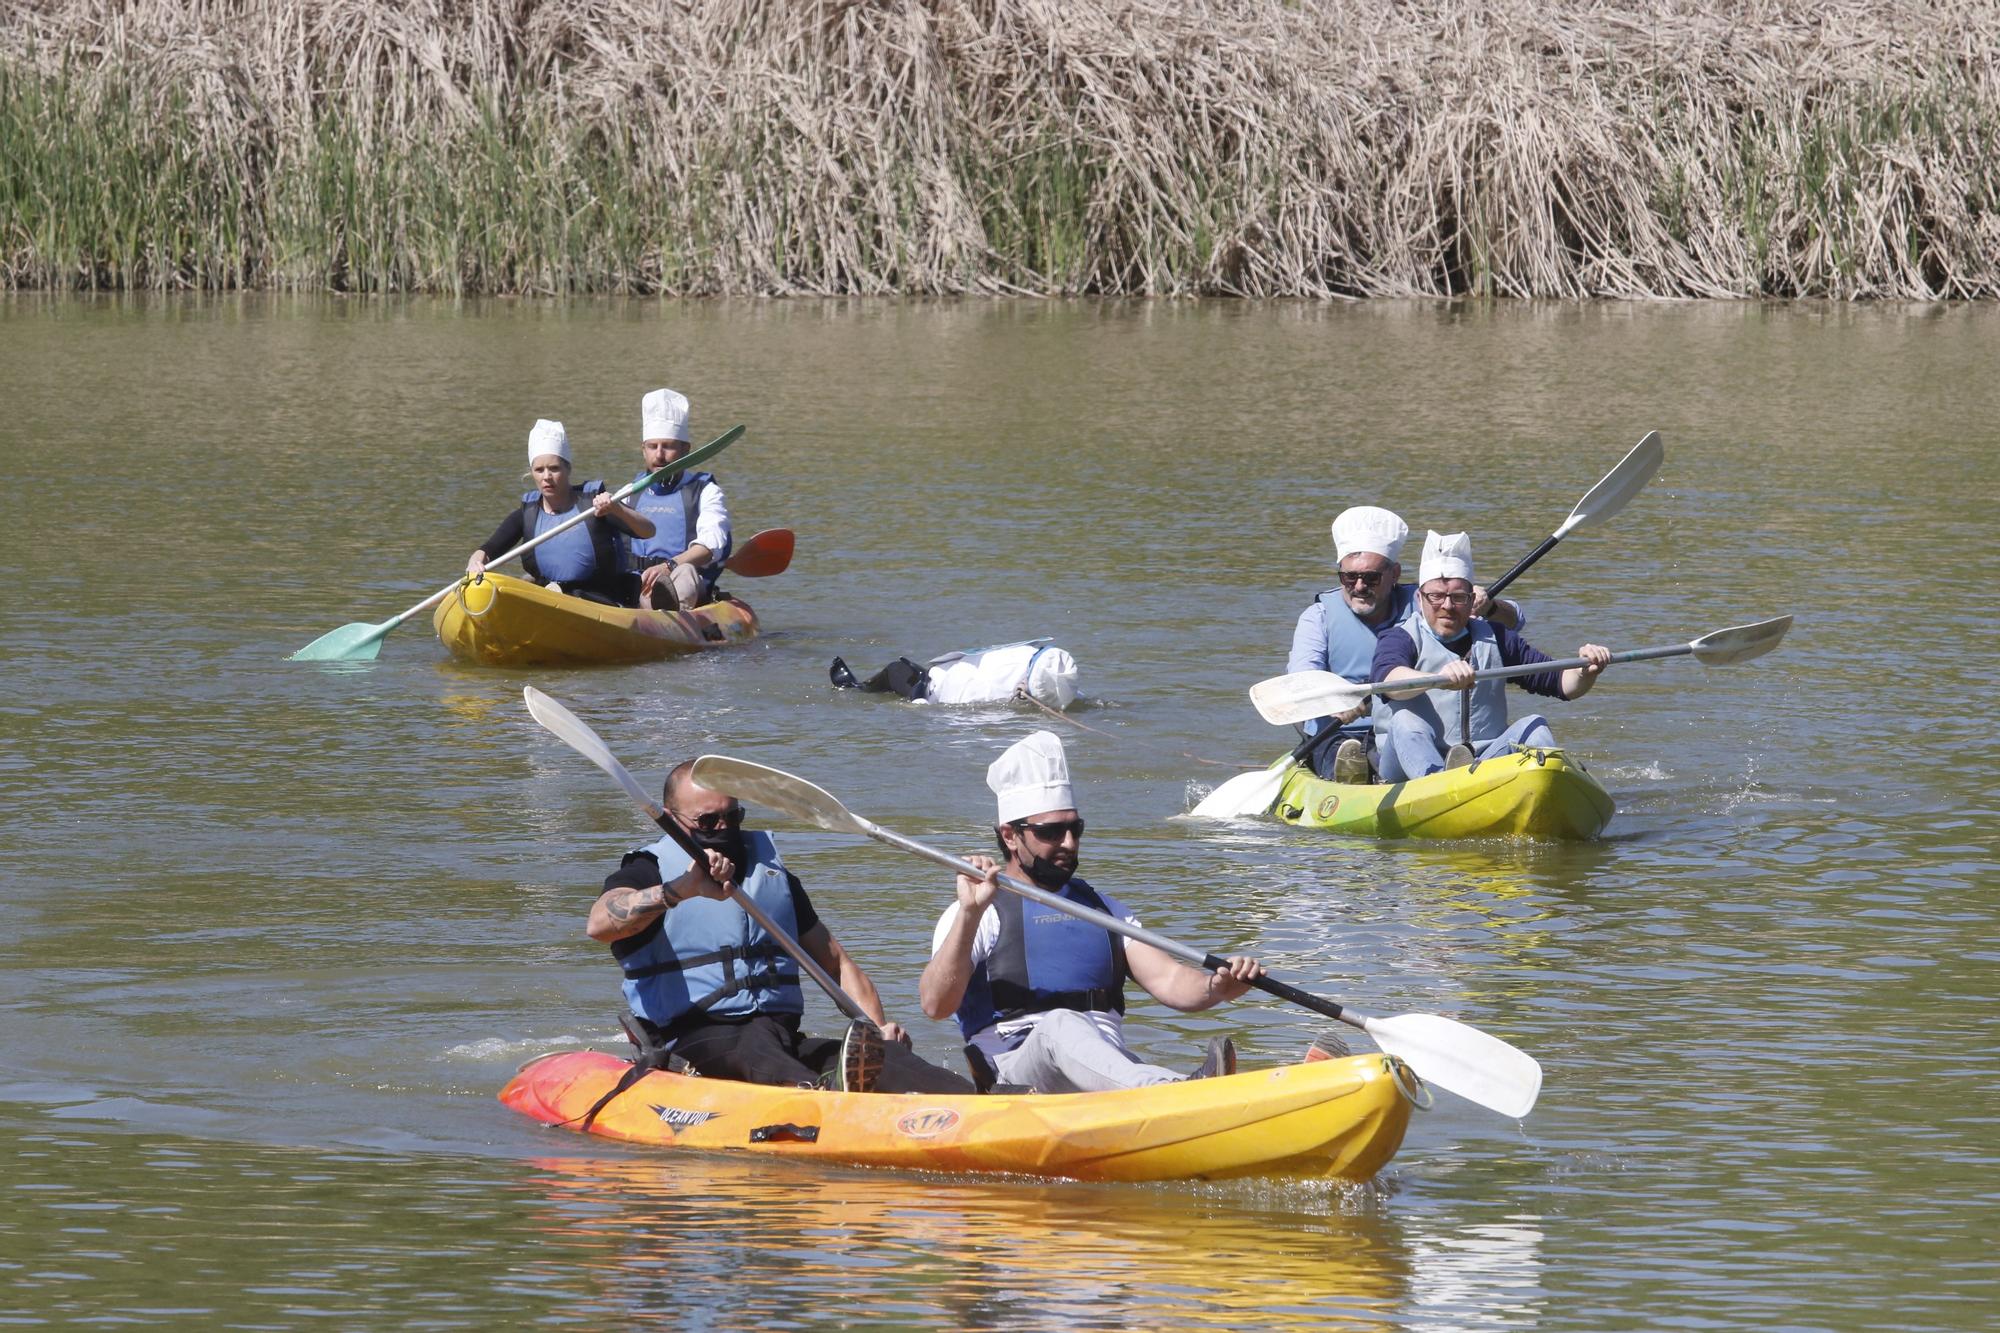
[349, 643]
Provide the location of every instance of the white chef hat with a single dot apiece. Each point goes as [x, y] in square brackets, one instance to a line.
[1366, 529]
[1032, 778]
[663, 415]
[1446, 556]
[548, 437]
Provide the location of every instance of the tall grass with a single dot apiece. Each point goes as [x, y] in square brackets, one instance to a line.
[1841, 148]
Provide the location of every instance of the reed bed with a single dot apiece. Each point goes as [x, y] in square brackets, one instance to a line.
[1322, 148]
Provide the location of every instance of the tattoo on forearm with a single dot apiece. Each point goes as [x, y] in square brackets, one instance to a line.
[629, 905]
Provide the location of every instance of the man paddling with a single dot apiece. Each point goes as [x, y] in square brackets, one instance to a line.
[1337, 633]
[679, 564]
[1442, 637]
[707, 982]
[1040, 995]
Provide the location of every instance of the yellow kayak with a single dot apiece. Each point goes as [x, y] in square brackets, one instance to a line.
[1526, 794]
[1342, 1118]
[498, 620]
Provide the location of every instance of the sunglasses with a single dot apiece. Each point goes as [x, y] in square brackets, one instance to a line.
[715, 823]
[1361, 578]
[1055, 830]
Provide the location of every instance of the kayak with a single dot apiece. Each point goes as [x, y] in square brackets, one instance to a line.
[1341, 1118]
[1526, 794]
[499, 620]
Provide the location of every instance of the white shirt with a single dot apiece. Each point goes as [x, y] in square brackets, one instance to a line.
[1009, 1033]
[711, 520]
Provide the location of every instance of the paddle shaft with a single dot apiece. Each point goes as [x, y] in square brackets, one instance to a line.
[1548, 544]
[1186, 953]
[1526, 669]
[583, 512]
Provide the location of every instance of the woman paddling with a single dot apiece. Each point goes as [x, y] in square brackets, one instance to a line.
[589, 559]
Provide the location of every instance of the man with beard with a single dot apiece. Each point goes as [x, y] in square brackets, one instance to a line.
[1337, 633]
[710, 985]
[680, 561]
[1039, 994]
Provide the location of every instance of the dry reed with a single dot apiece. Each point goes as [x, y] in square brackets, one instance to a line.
[1253, 147]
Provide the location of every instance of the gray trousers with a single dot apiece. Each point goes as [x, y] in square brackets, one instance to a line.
[1067, 1053]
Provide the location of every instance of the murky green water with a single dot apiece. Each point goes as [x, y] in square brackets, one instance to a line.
[272, 935]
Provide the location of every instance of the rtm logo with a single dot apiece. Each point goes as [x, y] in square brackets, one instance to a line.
[928, 1123]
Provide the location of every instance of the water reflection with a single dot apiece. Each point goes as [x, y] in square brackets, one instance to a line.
[893, 1248]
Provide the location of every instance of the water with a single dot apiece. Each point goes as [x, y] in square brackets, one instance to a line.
[272, 934]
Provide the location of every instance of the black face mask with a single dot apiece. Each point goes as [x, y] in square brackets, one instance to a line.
[730, 842]
[1044, 871]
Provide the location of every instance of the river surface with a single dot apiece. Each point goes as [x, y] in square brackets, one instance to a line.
[273, 934]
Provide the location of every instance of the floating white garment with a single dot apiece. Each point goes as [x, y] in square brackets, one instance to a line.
[991, 675]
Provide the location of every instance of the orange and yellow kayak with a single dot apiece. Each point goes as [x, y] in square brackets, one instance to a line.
[498, 620]
[1528, 794]
[1339, 1118]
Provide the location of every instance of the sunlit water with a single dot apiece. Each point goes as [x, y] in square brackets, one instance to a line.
[272, 934]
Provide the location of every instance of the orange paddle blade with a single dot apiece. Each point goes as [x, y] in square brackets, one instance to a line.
[767, 553]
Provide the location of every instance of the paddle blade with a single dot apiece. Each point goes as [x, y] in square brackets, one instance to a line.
[572, 731]
[1740, 643]
[777, 789]
[1244, 796]
[1458, 1058]
[767, 553]
[1304, 695]
[349, 643]
[1623, 482]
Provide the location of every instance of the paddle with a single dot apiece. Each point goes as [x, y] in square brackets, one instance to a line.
[1477, 1066]
[1246, 794]
[362, 642]
[572, 731]
[1302, 694]
[767, 553]
[1604, 499]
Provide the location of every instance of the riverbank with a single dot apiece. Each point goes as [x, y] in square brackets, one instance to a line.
[1258, 148]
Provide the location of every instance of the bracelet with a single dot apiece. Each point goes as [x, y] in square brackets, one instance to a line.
[670, 897]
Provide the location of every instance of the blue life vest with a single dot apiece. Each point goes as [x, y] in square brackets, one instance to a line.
[572, 558]
[1350, 644]
[675, 513]
[709, 957]
[1044, 960]
[1445, 710]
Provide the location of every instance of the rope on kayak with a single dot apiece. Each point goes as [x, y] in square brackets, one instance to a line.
[1413, 1088]
[1021, 693]
[651, 1056]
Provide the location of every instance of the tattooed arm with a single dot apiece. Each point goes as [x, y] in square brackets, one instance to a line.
[625, 908]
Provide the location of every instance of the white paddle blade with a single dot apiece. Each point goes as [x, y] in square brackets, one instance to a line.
[777, 789]
[1244, 796]
[1623, 482]
[1740, 643]
[1476, 1065]
[572, 731]
[1304, 695]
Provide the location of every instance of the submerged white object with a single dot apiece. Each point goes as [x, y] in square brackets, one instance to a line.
[993, 675]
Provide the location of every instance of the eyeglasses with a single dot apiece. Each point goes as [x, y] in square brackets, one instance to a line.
[1360, 578]
[715, 823]
[1054, 830]
[1443, 599]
